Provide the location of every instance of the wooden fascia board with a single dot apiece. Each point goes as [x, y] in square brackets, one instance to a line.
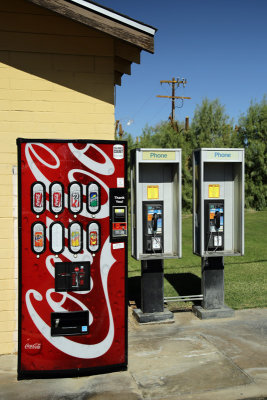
[113, 28]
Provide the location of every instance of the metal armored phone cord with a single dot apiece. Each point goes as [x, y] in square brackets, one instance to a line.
[154, 228]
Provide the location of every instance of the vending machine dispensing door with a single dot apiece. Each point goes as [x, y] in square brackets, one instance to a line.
[72, 257]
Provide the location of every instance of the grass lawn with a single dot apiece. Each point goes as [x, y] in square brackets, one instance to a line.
[245, 277]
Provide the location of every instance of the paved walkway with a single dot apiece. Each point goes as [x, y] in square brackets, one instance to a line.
[222, 359]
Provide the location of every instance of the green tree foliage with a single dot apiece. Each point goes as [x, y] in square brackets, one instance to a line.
[211, 127]
[253, 136]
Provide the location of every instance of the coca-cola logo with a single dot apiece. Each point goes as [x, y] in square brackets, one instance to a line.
[38, 199]
[32, 347]
[57, 199]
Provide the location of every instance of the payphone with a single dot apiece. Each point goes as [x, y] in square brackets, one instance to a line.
[218, 221]
[156, 223]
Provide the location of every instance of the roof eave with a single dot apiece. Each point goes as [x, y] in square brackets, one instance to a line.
[116, 28]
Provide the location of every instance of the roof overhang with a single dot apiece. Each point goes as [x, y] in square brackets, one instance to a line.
[131, 36]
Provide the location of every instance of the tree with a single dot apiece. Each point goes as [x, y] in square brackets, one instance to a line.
[252, 134]
[211, 127]
[164, 135]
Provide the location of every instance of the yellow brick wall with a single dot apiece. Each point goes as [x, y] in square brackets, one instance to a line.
[56, 81]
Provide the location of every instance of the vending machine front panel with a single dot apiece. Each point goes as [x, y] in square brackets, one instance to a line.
[72, 271]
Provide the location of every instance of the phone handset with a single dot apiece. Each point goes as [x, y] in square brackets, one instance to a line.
[155, 222]
[217, 219]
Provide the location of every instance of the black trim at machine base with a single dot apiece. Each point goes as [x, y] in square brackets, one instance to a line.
[71, 373]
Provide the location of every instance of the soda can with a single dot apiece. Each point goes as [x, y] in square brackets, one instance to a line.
[38, 237]
[93, 236]
[75, 200]
[75, 237]
[93, 197]
[38, 197]
[75, 197]
[57, 199]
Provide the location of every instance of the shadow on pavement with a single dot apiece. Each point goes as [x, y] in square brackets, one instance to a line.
[185, 284]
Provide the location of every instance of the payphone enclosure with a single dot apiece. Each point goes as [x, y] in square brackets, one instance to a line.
[156, 203]
[218, 202]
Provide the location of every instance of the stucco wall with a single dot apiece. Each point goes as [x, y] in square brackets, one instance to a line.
[56, 81]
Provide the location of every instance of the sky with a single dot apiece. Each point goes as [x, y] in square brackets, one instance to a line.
[219, 46]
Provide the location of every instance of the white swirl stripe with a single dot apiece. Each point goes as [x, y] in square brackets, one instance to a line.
[79, 350]
[106, 168]
[67, 346]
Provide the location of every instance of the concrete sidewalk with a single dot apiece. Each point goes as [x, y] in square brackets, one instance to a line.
[189, 359]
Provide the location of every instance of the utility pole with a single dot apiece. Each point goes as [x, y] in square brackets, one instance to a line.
[175, 84]
[118, 129]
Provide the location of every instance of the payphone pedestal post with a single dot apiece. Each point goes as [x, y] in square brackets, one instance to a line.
[212, 287]
[152, 293]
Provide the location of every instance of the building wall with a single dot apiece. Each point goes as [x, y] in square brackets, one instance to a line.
[56, 81]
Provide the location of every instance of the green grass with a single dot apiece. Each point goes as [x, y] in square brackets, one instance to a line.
[245, 277]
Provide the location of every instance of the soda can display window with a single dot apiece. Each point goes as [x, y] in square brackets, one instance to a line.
[38, 197]
[38, 237]
[93, 197]
[56, 237]
[75, 237]
[93, 237]
[75, 197]
[56, 196]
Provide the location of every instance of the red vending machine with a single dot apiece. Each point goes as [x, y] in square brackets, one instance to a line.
[72, 257]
